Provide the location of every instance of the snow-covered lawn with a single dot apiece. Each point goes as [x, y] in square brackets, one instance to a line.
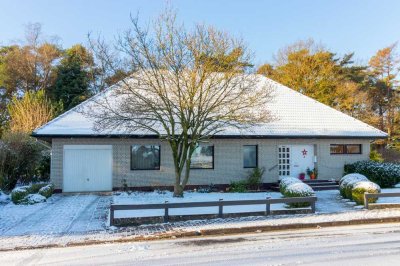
[328, 202]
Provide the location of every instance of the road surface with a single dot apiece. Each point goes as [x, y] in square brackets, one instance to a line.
[351, 245]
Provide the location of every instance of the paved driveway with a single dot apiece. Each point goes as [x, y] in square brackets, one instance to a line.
[60, 215]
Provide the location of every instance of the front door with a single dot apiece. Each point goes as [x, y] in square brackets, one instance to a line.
[295, 159]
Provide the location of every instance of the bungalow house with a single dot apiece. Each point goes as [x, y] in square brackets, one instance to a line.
[306, 134]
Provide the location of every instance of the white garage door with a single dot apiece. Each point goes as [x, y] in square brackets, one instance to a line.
[87, 168]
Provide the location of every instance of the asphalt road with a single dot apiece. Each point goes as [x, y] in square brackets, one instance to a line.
[351, 245]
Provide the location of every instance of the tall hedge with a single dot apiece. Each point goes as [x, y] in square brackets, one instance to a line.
[386, 175]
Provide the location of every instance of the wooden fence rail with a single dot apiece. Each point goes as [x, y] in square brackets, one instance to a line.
[220, 204]
[380, 195]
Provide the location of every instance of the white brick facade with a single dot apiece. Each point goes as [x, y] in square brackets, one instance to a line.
[228, 160]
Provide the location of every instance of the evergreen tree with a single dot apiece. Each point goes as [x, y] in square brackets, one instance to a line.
[72, 85]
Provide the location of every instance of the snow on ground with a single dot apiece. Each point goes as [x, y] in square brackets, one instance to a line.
[60, 214]
[328, 202]
[65, 219]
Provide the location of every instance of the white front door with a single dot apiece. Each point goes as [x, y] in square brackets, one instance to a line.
[87, 168]
[295, 159]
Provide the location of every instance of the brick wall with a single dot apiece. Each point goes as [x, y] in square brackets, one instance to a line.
[228, 160]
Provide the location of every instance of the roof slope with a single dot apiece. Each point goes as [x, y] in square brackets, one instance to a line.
[296, 116]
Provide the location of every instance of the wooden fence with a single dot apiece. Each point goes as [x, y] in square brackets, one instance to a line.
[381, 195]
[220, 204]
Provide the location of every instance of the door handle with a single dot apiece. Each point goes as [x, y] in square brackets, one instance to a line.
[87, 179]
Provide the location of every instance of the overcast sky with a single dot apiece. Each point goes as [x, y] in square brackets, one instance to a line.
[363, 26]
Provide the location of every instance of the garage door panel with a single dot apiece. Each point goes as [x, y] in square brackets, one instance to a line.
[87, 168]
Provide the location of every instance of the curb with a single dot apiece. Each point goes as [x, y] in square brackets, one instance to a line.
[213, 232]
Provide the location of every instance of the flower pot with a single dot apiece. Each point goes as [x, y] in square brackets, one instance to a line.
[312, 176]
[302, 176]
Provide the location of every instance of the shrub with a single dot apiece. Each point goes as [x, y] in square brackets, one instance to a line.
[286, 181]
[344, 181]
[19, 193]
[20, 156]
[35, 187]
[384, 174]
[361, 187]
[298, 189]
[254, 179]
[32, 199]
[239, 186]
[375, 156]
[47, 191]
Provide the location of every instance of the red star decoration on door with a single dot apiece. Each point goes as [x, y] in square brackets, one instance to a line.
[304, 152]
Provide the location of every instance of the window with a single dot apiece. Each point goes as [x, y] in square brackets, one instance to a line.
[203, 157]
[250, 156]
[145, 157]
[345, 148]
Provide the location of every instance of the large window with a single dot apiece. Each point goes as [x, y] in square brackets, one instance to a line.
[203, 157]
[145, 157]
[345, 148]
[250, 156]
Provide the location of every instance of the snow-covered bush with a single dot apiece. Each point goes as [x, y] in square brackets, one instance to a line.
[361, 187]
[19, 193]
[33, 199]
[4, 198]
[298, 189]
[36, 187]
[46, 191]
[386, 175]
[346, 180]
[286, 181]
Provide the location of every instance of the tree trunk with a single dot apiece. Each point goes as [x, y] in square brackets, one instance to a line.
[178, 188]
[178, 191]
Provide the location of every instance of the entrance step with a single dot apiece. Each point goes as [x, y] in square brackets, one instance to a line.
[316, 185]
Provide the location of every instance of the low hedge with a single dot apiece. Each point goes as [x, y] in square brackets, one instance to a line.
[362, 187]
[46, 191]
[386, 175]
[346, 183]
[286, 181]
[297, 189]
[22, 195]
[19, 193]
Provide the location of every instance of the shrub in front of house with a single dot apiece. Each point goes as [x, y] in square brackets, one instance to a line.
[386, 175]
[362, 187]
[349, 179]
[286, 181]
[22, 195]
[299, 189]
[19, 193]
[238, 186]
[46, 191]
[32, 199]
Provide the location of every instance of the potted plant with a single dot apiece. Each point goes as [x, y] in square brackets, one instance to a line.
[302, 176]
[312, 173]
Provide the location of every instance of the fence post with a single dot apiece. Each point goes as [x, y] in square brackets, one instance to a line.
[220, 209]
[166, 218]
[112, 215]
[268, 207]
[366, 200]
[313, 205]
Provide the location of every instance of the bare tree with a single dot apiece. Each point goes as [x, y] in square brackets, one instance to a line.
[185, 87]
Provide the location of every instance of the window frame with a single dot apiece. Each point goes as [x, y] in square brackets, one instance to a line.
[345, 152]
[251, 167]
[147, 169]
[213, 160]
